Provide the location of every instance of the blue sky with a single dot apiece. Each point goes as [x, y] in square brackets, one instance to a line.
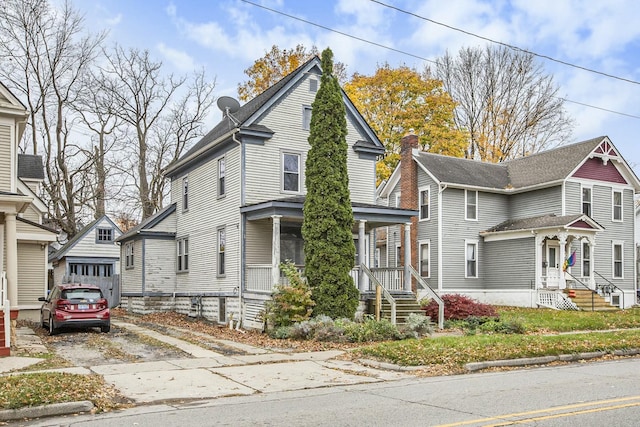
[227, 36]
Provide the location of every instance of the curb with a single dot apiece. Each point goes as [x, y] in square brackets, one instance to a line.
[46, 410]
[526, 361]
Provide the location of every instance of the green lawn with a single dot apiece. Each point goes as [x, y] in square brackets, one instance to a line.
[545, 335]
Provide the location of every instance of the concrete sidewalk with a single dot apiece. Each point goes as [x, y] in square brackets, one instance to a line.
[206, 374]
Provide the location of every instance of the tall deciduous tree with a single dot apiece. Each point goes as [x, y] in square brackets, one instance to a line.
[328, 217]
[159, 122]
[394, 100]
[45, 53]
[506, 101]
[275, 65]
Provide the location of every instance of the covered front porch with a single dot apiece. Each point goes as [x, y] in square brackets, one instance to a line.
[273, 235]
[562, 252]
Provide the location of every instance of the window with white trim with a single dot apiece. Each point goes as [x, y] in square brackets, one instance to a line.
[291, 172]
[425, 197]
[471, 256]
[221, 177]
[306, 117]
[425, 257]
[397, 199]
[586, 259]
[128, 255]
[616, 198]
[618, 260]
[586, 200]
[185, 193]
[222, 243]
[470, 205]
[398, 255]
[104, 235]
[183, 254]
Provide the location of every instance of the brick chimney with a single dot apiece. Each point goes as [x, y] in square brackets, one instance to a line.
[409, 190]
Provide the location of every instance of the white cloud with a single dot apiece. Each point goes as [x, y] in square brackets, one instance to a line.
[179, 59]
[112, 22]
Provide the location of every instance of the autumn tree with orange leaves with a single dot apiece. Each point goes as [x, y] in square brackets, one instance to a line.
[394, 101]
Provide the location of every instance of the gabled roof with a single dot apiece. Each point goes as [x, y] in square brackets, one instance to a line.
[62, 252]
[244, 120]
[148, 223]
[547, 167]
[12, 102]
[546, 221]
[30, 167]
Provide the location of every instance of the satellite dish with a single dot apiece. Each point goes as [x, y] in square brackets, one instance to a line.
[228, 105]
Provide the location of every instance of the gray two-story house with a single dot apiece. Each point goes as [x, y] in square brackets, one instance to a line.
[236, 208]
[522, 231]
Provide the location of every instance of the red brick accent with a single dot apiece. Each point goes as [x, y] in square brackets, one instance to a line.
[409, 190]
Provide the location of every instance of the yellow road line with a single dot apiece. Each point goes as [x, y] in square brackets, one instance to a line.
[565, 414]
[547, 410]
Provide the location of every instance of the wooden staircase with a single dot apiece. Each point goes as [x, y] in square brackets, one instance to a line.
[404, 307]
[4, 350]
[583, 299]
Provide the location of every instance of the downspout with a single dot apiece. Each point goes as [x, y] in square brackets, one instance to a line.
[441, 189]
[240, 228]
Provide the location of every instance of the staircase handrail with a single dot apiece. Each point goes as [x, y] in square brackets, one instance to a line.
[6, 305]
[584, 285]
[610, 284]
[385, 293]
[425, 285]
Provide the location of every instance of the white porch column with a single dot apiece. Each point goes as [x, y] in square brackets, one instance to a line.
[275, 249]
[12, 258]
[562, 283]
[407, 256]
[361, 252]
[592, 261]
[538, 261]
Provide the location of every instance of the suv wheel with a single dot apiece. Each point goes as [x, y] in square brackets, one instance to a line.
[105, 328]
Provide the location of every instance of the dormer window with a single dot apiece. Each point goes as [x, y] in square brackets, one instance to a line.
[104, 235]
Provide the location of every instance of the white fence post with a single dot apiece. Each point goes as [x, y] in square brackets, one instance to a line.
[7, 309]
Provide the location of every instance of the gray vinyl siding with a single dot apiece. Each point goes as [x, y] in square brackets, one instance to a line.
[160, 268]
[258, 242]
[131, 278]
[264, 162]
[492, 210]
[31, 273]
[200, 223]
[509, 264]
[87, 247]
[428, 229]
[536, 203]
[5, 158]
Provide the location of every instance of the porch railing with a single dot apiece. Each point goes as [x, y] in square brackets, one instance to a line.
[259, 278]
[6, 306]
[380, 292]
[424, 285]
[608, 288]
[584, 285]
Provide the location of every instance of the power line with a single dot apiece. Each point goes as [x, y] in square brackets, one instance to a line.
[339, 32]
[569, 64]
[430, 60]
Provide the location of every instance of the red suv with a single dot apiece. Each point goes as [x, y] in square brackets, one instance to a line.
[75, 305]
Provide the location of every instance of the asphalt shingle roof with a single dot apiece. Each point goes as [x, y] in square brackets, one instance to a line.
[543, 221]
[547, 166]
[30, 166]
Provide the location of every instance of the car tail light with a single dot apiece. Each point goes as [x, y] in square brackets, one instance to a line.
[102, 304]
[63, 304]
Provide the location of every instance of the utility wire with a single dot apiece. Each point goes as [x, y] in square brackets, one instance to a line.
[430, 60]
[569, 64]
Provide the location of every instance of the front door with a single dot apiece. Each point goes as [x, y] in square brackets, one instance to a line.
[553, 264]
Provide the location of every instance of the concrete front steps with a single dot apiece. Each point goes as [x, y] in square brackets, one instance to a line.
[583, 300]
[405, 305]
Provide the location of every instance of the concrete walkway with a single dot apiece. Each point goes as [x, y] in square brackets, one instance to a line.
[204, 376]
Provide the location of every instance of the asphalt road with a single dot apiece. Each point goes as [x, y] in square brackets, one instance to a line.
[584, 394]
